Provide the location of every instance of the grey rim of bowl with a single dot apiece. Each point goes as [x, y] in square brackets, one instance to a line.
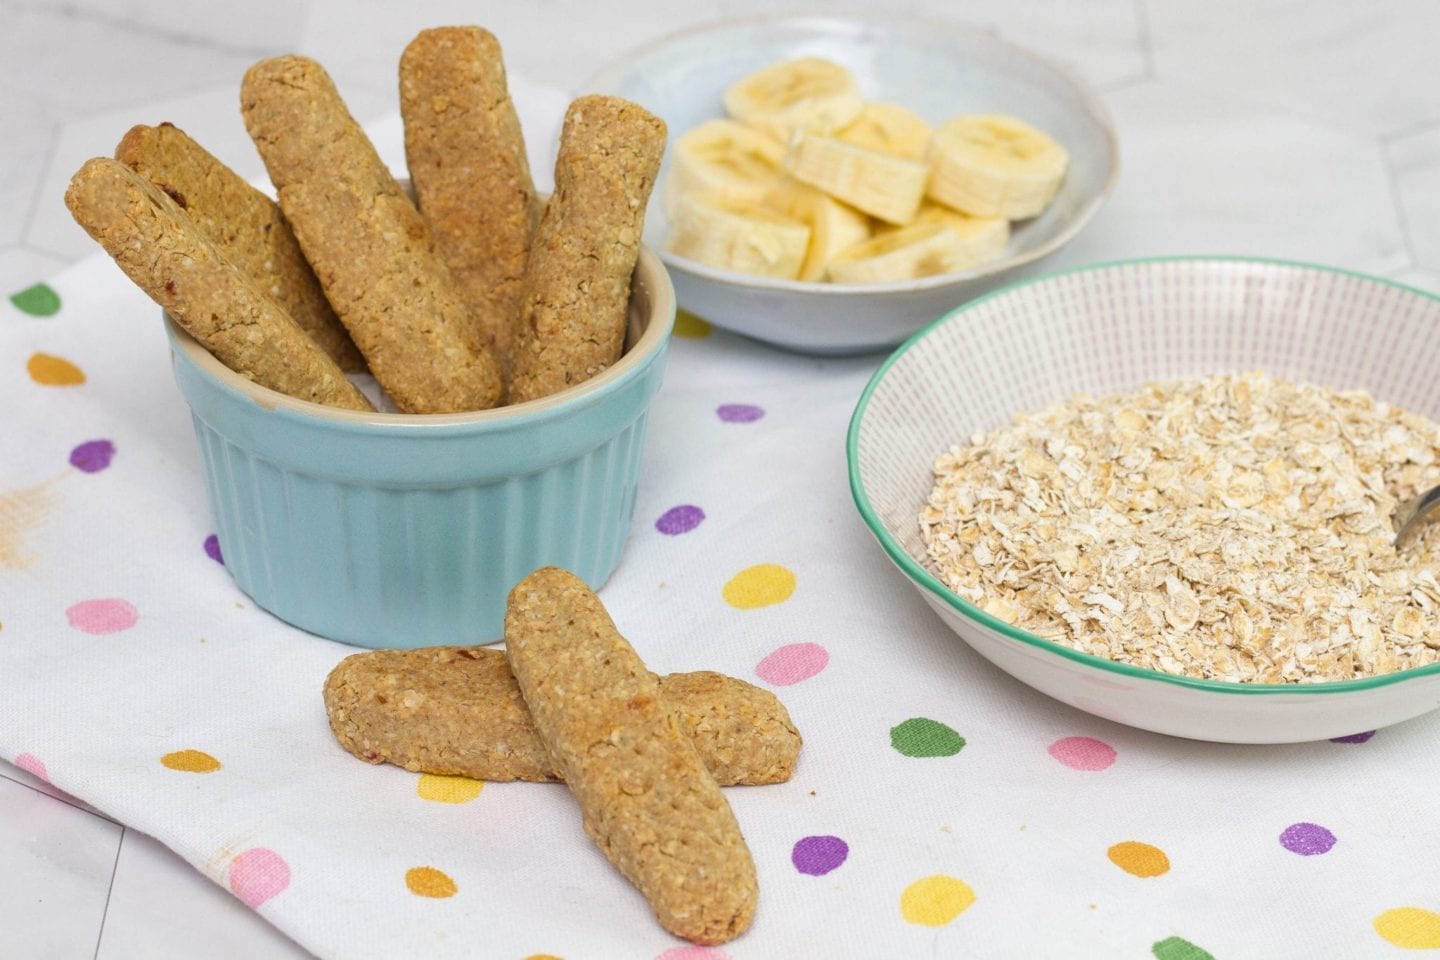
[662, 308]
[917, 572]
[604, 79]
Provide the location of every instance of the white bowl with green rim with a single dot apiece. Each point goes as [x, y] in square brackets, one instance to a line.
[1113, 327]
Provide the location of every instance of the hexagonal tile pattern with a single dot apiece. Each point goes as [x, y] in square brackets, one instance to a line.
[30, 131]
[1415, 162]
[78, 63]
[1207, 173]
[162, 909]
[211, 116]
[1304, 56]
[56, 877]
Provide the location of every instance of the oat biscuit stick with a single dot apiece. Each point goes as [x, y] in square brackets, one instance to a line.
[458, 711]
[577, 280]
[244, 224]
[644, 794]
[467, 162]
[369, 246]
[169, 257]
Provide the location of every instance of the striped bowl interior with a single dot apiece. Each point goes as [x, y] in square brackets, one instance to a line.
[1109, 328]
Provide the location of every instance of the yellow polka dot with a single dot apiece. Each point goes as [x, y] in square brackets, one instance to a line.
[429, 882]
[1138, 858]
[759, 586]
[432, 786]
[1410, 927]
[691, 326]
[542, 956]
[191, 761]
[935, 901]
[54, 371]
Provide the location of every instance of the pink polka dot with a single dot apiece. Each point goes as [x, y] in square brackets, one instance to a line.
[102, 616]
[258, 874]
[792, 663]
[32, 765]
[1083, 753]
[693, 953]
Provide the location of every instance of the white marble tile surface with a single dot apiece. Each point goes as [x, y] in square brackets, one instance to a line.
[78, 62]
[1415, 160]
[158, 911]
[1205, 172]
[1370, 68]
[1305, 129]
[31, 131]
[55, 868]
[211, 115]
[20, 267]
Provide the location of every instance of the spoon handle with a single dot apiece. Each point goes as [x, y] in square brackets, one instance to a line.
[1410, 516]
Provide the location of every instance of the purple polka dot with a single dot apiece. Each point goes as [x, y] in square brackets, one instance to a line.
[1307, 839]
[212, 549]
[1354, 737]
[817, 856]
[739, 412]
[681, 519]
[92, 456]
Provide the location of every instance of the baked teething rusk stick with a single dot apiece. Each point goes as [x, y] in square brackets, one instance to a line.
[645, 796]
[244, 224]
[577, 281]
[458, 711]
[467, 162]
[169, 258]
[369, 246]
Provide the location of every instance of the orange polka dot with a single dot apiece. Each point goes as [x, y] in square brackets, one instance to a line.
[542, 956]
[54, 371]
[429, 882]
[1140, 859]
[191, 761]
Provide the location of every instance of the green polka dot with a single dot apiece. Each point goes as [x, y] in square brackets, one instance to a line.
[923, 737]
[1178, 948]
[41, 300]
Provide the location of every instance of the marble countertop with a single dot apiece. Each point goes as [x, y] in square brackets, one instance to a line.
[1306, 131]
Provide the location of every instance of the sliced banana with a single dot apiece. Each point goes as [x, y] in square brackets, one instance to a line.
[989, 165]
[804, 94]
[879, 184]
[985, 238]
[738, 236]
[919, 250]
[834, 227]
[889, 128]
[725, 161]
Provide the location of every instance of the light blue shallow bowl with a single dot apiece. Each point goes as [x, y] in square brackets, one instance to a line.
[399, 530]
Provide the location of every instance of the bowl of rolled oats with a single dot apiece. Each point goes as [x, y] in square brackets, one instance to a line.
[1162, 491]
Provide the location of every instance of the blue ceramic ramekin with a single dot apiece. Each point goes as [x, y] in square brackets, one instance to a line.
[398, 530]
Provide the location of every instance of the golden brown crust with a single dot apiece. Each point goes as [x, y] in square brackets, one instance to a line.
[458, 711]
[577, 280]
[244, 224]
[646, 799]
[467, 161]
[169, 257]
[369, 246]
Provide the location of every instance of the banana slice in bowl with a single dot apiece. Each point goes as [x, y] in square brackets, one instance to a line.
[854, 109]
[995, 166]
[807, 93]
